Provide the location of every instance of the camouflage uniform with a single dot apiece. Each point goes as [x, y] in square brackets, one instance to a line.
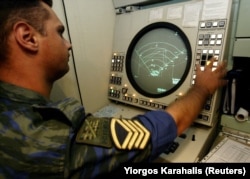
[38, 138]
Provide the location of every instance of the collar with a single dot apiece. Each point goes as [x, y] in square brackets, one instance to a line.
[20, 94]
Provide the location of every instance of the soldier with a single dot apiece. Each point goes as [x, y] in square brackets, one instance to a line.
[40, 138]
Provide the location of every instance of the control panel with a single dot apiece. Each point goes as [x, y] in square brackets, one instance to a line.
[211, 41]
[155, 54]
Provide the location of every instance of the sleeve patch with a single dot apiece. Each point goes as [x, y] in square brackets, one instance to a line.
[95, 131]
[129, 134]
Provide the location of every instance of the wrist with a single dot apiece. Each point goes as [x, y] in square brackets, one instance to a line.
[201, 90]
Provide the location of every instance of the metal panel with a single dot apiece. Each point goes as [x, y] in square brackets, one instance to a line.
[243, 27]
[241, 47]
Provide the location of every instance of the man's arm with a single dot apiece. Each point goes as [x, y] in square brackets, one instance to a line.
[186, 109]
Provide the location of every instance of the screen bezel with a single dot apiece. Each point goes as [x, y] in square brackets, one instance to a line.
[132, 45]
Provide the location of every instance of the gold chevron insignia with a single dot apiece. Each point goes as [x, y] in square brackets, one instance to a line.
[129, 134]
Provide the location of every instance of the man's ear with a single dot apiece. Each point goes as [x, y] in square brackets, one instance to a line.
[26, 36]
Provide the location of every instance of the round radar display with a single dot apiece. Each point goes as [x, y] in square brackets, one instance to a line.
[158, 59]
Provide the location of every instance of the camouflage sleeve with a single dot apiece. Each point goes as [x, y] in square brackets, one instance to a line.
[94, 153]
